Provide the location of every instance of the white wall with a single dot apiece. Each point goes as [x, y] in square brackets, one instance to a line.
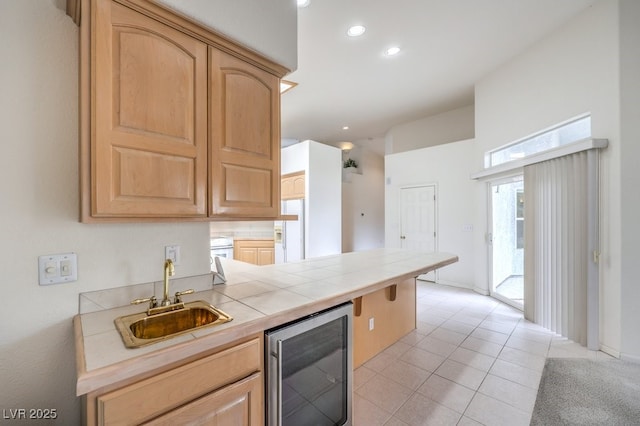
[450, 126]
[39, 204]
[267, 27]
[363, 202]
[323, 203]
[447, 166]
[570, 72]
[629, 177]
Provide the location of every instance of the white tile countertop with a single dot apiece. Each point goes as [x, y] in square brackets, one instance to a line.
[257, 297]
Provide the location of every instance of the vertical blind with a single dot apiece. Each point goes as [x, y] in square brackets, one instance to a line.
[560, 279]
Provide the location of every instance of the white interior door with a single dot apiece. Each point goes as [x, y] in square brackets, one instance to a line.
[418, 220]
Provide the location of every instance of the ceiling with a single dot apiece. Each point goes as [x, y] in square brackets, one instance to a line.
[447, 46]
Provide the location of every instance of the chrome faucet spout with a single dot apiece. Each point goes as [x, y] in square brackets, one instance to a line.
[169, 271]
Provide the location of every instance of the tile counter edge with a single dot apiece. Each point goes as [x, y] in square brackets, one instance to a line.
[190, 347]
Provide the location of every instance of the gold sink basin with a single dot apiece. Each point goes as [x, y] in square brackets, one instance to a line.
[143, 329]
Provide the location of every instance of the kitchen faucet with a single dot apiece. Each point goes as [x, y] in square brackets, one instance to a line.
[169, 271]
[165, 304]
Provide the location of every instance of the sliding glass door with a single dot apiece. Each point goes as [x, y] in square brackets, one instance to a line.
[506, 240]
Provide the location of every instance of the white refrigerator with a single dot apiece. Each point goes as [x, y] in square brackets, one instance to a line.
[289, 234]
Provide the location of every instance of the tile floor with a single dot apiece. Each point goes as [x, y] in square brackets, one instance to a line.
[471, 361]
[512, 288]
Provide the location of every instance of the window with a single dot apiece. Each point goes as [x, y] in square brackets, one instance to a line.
[562, 134]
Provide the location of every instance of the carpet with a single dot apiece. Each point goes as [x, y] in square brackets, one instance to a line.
[586, 392]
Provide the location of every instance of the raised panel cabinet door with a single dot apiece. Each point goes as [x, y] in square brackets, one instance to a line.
[249, 255]
[239, 404]
[149, 146]
[266, 256]
[293, 186]
[286, 188]
[245, 139]
[298, 186]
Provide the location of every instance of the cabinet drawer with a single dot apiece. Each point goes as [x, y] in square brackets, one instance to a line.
[240, 403]
[156, 395]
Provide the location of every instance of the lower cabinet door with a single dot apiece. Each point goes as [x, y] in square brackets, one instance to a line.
[240, 404]
[266, 256]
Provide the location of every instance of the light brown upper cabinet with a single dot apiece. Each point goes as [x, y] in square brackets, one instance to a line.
[292, 186]
[245, 135]
[176, 121]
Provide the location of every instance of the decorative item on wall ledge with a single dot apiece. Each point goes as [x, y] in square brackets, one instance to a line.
[349, 167]
[350, 163]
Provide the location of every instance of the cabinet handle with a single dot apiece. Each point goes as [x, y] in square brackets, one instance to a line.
[279, 390]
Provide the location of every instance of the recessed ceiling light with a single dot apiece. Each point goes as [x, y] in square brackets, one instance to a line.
[356, 30]
[392, 51]
[345, 127]
[303, 3]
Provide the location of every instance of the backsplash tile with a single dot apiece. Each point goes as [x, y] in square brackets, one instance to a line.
[99, 300]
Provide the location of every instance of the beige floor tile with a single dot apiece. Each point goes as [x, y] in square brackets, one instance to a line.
[524, 359]
[361, 376]
[516, 373]
[424, 328]
[423, 359]
[412, 338]
[394, 421]
[406, 374]
[466, 421]
[366, 413]
[397, 349]
[526, 324]
[472, 359]
[490, 411]
[447, 393]
[461, 374]
[386, 394]
[506, 310]
[429, 318]
[436, 346]
[514, 394]
[499, 326]
[457, 326]
[469, 318]
[530, 346]
[420, 410]
[443, 310]
[510, 348]
[482, 346]
[564, 348]
[380, 362]
[490, 336]
[531, 334]
[448, 336]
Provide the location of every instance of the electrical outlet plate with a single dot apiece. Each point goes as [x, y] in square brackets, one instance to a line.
[371, 324]
[173, 253]
[57, 268]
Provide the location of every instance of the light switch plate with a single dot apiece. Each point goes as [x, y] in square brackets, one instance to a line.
[57, 268]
